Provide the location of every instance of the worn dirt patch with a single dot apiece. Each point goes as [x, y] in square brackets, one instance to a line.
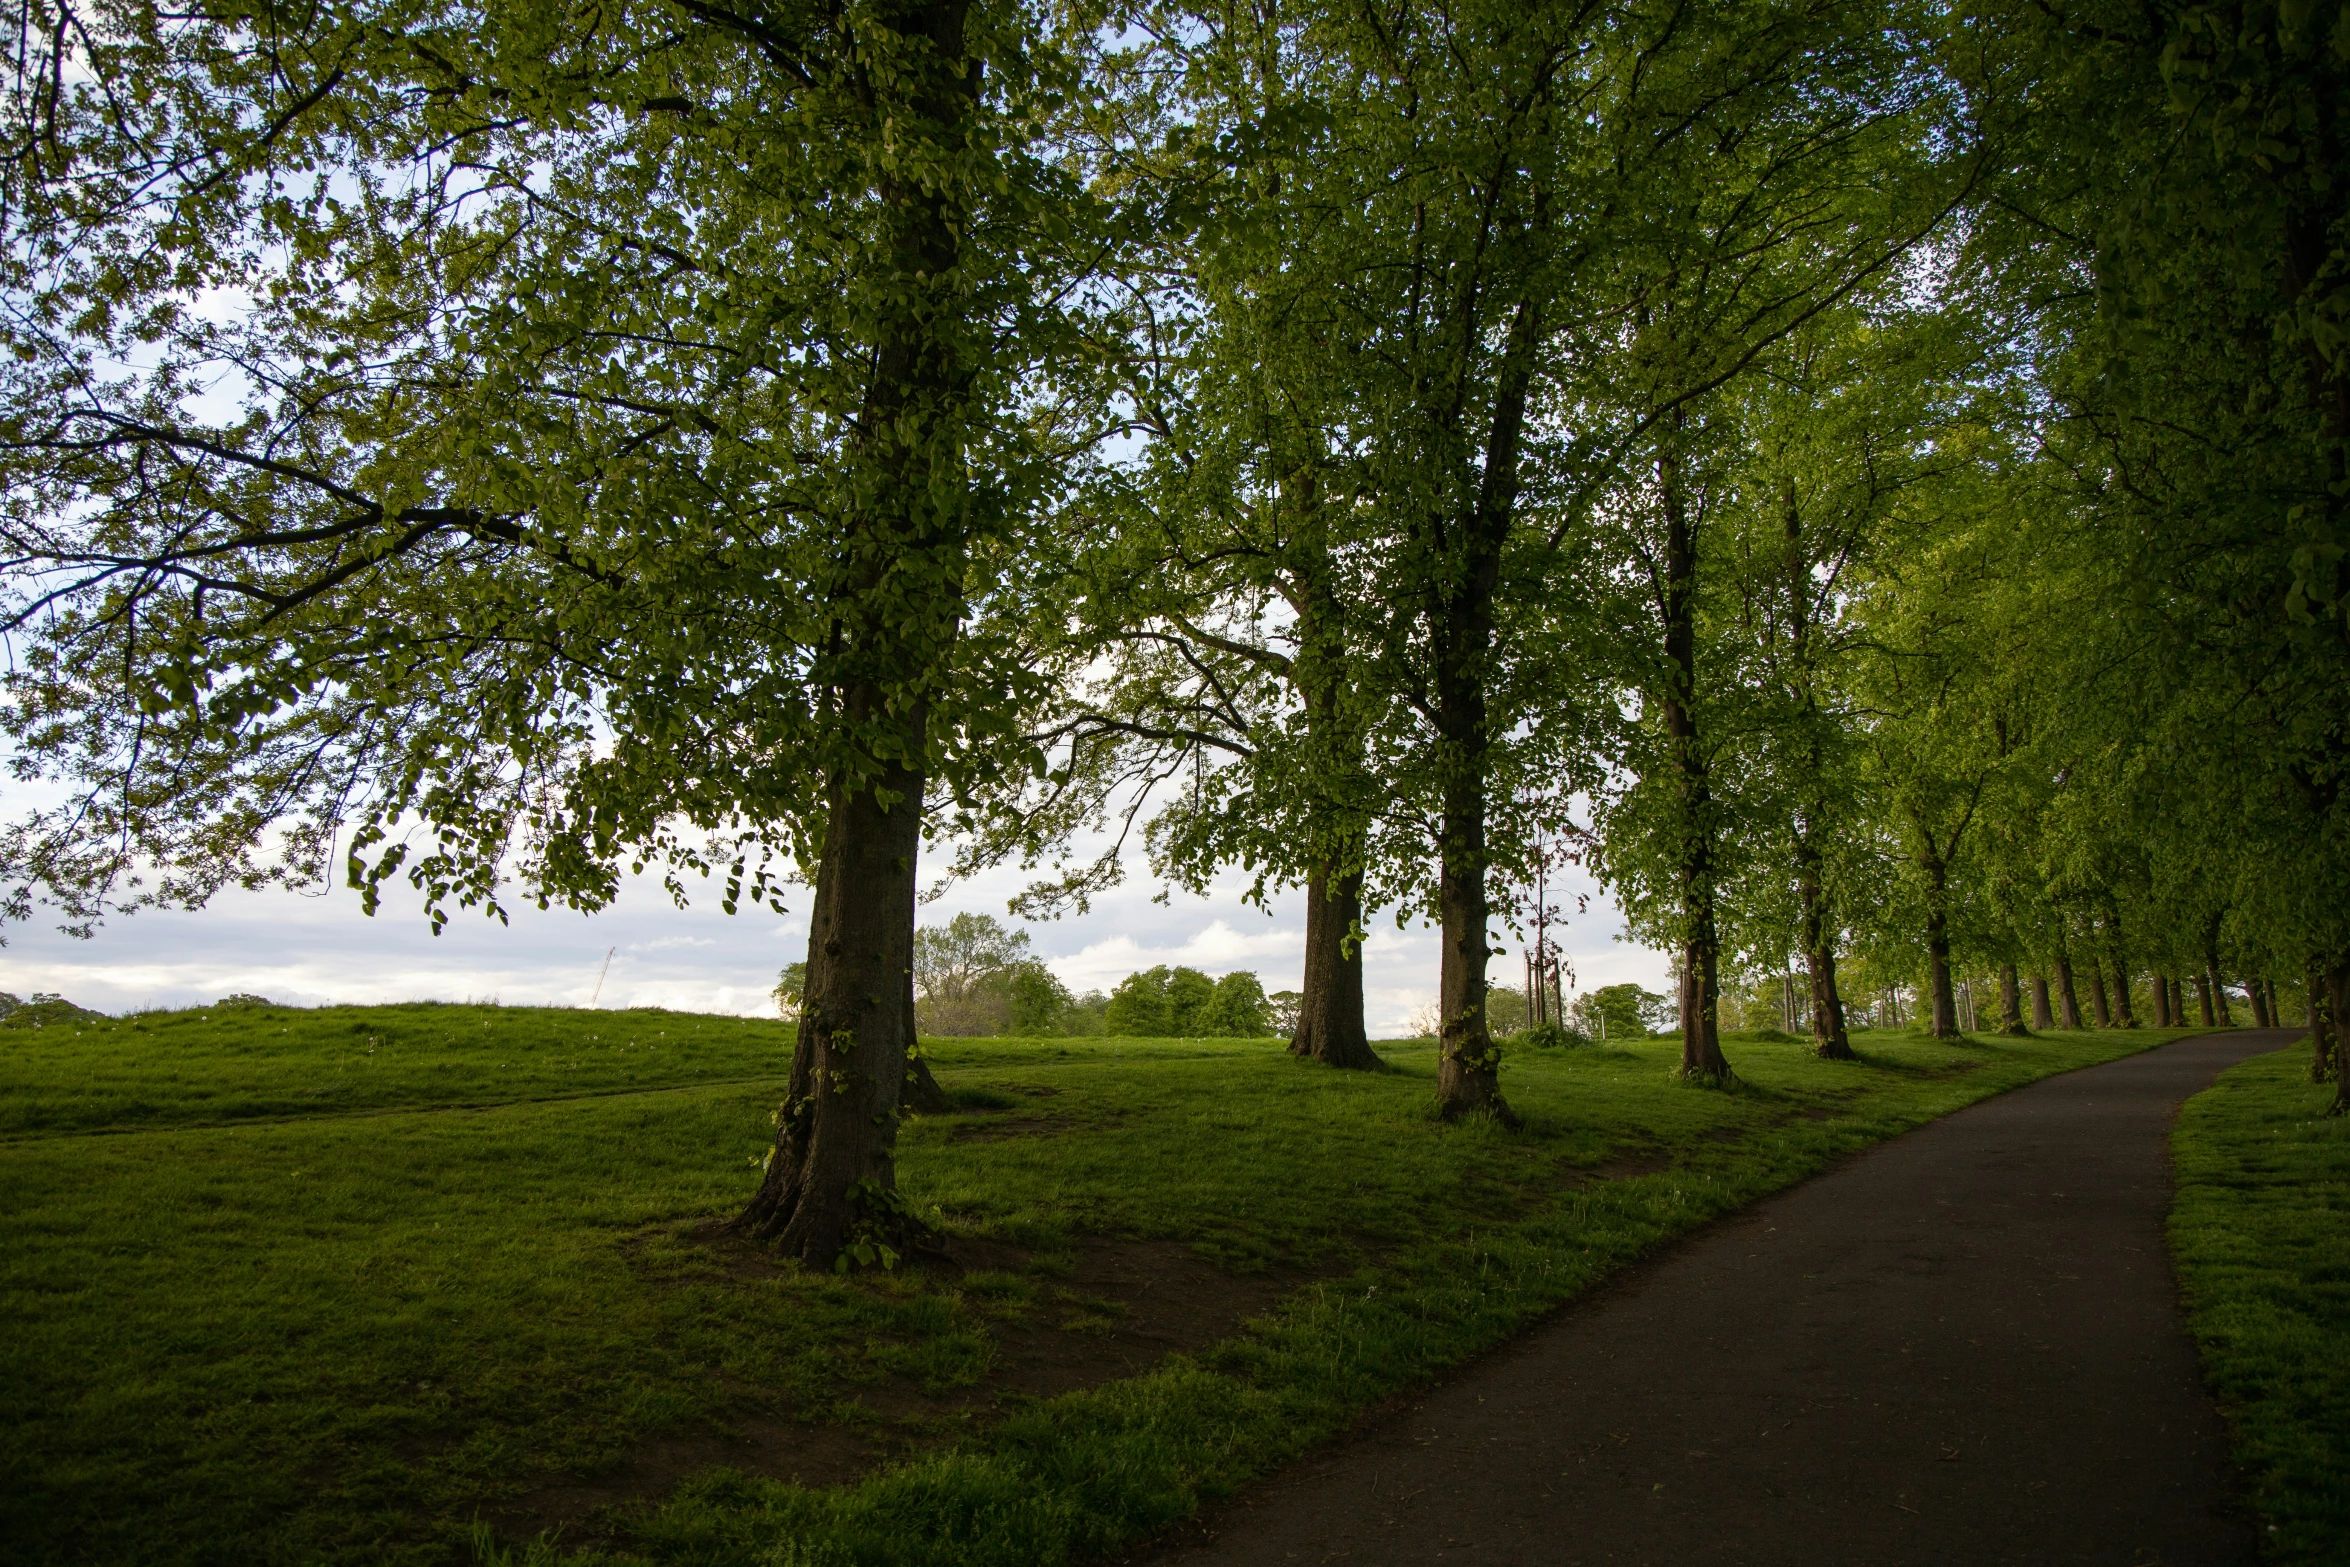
[1101, 1310]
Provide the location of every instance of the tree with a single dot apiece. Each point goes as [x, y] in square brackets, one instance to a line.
[1238, 1010]
[635, 453]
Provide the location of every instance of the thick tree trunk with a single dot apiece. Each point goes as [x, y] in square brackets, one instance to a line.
[2203, 999]
[2011, 1001]
[2043, 1015]
[2337, 1009]
[831, 1174]
[831, 1180]
[2321, 1031]
[2097, 994]
[1829, 1040]
[2221, 1014]
[2321, 1049]
[1700, 994]
[2068, 998]
[1460, 614]
[2178, 1003]
[1330, 1017]
[1945, 1015]
[2124, 1013]
[2261, 1016]
[2162, 1001]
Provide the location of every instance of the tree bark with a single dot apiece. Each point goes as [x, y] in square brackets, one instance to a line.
[1829, 1039]
[2097, 993]
[2011, 1002]
[2123, 1014]
[1700, 990]
[832, 1170]
[831, 1178]
[2162, 1001]
[2203, 999]
[2321, 1029]
[2043, 1015]
[2338, 1008]
[1460, 615]
[1945, 1016]
[2257, 990]
[2066, 994]
[1330, 1016]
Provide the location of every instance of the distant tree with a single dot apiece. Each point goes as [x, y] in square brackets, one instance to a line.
[1039, 1004]
[1138, 1007]
[1623, 1011]
[1189, 996]
[1238, 1009]
[1506, 1011]
[1283, 1006]
[790, 986]
[963, 972]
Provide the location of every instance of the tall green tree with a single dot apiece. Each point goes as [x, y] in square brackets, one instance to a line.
[552, 442]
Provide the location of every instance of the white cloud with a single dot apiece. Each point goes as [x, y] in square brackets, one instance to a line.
[313, 950]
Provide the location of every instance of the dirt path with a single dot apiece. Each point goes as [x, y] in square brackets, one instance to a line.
[1963, 1346]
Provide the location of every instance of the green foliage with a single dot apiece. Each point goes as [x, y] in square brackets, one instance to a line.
[1184, 1003]
[1238, 1010]
[1628, 1012]
[267, 1288]
[2261, 1229]
[47, 1011]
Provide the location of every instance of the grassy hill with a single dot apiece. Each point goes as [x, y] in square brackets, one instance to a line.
[429, 1284]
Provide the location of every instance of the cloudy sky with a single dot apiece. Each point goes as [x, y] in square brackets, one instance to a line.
[309, 950]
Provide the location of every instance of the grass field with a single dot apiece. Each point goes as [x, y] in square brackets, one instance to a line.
[437, 1284]
[2261, 1228]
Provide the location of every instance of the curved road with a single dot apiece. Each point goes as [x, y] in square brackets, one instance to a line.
[1962, 1346]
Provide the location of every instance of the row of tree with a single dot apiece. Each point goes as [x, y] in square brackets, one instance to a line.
[974, 978]
[1868, 479]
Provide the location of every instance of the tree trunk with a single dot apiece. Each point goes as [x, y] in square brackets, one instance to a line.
[832, 1170]
[1330, 1017]
[2097, 994]
[2124, 1015]
[2066, 994]
[2203, 998]
[2178, 1002]
[2258, 990]
[2011, 1002]
[1945, 1019]
[831, 1179]
[2162, 1001]
[2338, 1008]
[1460, 613]
[1829, 1040]
[2321, 1031]
[1700, 994]
[2043, 1016]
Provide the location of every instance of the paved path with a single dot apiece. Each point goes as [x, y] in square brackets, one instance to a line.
[1963, 1346]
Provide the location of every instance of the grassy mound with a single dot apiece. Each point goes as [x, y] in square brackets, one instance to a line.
[425, 1284]
[2261, 1228]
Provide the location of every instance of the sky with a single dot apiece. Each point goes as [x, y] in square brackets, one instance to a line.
[309, 950]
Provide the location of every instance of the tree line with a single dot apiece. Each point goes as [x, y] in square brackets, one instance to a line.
[1867, 480]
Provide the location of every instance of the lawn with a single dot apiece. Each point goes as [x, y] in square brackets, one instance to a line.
[2261, 1228]
[435, 1284]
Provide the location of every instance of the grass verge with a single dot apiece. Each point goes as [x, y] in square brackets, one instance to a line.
[273, 1299]
[2261, 1229]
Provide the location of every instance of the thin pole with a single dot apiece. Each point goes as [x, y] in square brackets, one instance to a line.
[600, 973]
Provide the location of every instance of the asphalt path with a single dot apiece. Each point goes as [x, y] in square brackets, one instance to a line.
[1962, 1346]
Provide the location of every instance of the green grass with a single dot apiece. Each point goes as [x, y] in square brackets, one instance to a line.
[2261, 1228]
[295, 1287]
